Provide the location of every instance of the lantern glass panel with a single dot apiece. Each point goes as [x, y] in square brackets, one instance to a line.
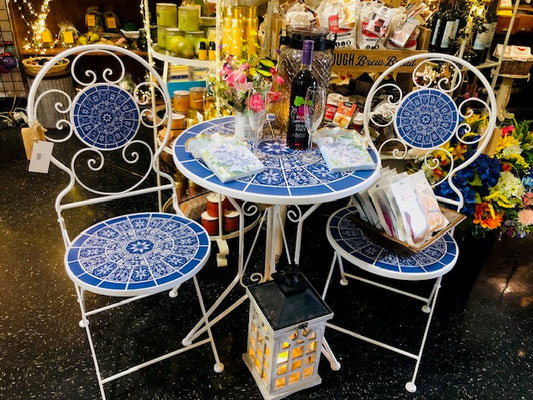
[311, 347]
[283, 357]
[282, 369]
[280, 382]
[310, 359]
[293, 378]
[308, 371]
[298, 352]
[296, 364]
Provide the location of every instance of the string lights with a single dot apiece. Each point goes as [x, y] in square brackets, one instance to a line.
[37, 25]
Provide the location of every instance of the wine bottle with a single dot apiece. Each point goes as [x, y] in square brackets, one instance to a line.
[449, 31]
[485, 34]
[436, 27]
[462, 19]
[297, 134]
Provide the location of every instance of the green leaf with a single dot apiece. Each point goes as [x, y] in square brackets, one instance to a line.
[267, 63]
[299, 101]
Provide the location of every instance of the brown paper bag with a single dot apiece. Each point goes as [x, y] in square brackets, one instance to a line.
[31, 135]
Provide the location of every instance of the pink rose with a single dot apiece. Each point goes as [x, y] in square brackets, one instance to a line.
[274, 96]
[525, 217]
[256, 103]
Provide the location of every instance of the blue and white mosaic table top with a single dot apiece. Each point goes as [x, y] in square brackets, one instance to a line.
[426, 118]
[137, 254]
[352, 244]
[287, 179]
[105, 116]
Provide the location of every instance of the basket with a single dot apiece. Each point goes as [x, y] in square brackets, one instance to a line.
[33, 67]
[514, 67]
[402, 248]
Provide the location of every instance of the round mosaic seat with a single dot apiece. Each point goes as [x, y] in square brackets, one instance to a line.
[352, 244]
[137, 254]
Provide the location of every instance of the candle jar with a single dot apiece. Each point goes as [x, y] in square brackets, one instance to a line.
[189, 18]
[210, 224]
[196, 98]
[180, 101]
[167, 14]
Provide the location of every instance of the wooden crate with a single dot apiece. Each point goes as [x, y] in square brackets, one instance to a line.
[350, 63]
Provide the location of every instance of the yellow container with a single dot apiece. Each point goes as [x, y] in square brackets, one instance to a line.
[196, 98]
[189, 18]
[180, 101]
[167, 14]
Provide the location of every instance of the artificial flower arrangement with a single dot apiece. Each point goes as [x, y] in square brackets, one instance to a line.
[498, 188]
[238, 80]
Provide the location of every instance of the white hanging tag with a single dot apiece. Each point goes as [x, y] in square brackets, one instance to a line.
[41, 156]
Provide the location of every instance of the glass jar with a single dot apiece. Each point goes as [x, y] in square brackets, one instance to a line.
[196, 98]
[180, 101]
[167, 14]
[194, 37]
[169, 34]
[290, 61]
[189, 18]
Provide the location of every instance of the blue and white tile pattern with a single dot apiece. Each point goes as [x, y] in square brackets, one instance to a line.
[105, 116]
[137, 252]
[426, 118]
[354, 245]
[287, 176]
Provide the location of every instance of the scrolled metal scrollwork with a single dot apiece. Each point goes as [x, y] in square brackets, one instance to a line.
[62, 109]
[91, 75]
[386, 108]
[97, 159]
[431, 77]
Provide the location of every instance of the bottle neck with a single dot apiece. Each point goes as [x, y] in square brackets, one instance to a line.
[307, 60]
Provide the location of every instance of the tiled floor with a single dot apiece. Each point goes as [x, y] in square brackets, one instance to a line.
[479, 346]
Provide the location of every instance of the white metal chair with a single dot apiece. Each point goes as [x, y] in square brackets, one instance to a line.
[419, 123]
[106, 142]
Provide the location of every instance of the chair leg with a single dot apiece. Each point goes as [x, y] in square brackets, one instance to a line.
[410, 386]
[219, 367]
[427, 308]
[344, 281]
[85, 322]
[328, 280]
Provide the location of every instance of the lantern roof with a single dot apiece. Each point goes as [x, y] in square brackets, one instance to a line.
[289, 300]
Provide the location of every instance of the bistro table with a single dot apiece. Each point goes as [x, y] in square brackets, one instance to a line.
[288, 179]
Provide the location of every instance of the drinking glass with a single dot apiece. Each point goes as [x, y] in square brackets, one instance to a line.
[314, 109]
[257, 114]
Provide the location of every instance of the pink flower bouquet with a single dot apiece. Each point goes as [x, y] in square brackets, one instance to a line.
[238, 78]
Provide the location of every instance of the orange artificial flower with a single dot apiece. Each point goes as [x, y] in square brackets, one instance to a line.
[485, 216]
[506, 167]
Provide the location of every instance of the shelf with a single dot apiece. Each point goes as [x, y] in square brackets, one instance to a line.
[164, 55]
[57, 50]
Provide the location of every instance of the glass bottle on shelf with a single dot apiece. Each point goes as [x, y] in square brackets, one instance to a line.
[297, 134]
[449, 29]
[483, 37]
[437, 27]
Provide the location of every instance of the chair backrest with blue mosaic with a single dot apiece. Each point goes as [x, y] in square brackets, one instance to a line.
[434, 123]
[105, 132]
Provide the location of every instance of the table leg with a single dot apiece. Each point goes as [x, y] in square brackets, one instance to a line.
[273, 226]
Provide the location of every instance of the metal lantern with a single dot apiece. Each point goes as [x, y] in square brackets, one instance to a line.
[285, 331]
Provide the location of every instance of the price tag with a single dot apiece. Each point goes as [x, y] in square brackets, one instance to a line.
[91, 20]
[68, 37]
[111, 23]
[41, 156]
[46, 37]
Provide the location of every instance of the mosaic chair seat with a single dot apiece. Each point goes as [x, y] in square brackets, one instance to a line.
[410, 123]
[118, 242]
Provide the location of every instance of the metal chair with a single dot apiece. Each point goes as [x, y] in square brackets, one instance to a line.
[106, 140]
[418, 123]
